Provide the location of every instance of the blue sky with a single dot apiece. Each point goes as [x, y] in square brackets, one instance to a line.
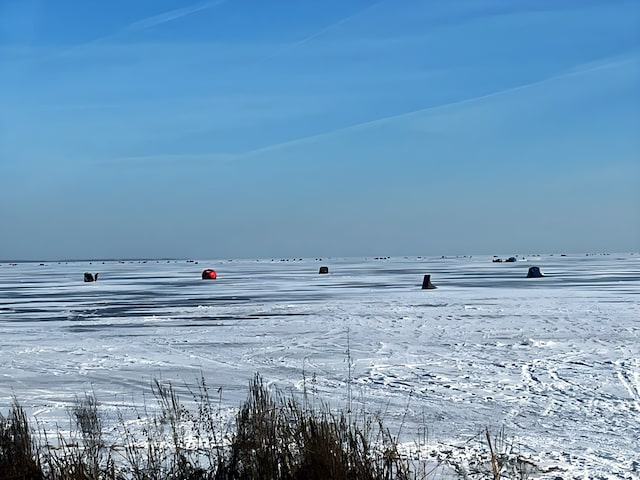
[300, 128]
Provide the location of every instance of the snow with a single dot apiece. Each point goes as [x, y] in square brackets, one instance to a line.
[555, 361]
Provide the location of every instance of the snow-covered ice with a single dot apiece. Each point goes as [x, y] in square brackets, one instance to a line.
[555, 361]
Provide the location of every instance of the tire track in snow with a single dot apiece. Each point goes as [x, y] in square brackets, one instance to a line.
[630, 379]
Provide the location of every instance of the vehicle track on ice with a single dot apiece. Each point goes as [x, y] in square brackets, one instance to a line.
[628, 372]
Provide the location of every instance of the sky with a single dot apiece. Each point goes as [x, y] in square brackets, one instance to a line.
[306, 128]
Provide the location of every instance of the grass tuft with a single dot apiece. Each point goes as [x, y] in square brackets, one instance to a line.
[18, 453]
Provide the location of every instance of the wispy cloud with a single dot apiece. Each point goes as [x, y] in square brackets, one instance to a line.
[170, 159]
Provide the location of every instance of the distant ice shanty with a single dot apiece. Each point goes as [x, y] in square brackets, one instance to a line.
[209, 274]
[426, 283]
[88, 277]
[534, 272]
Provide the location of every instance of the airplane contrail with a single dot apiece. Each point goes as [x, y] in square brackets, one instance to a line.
[316, 34]
[168, 16]
[577, 71]
[139, 26]
[609, 62]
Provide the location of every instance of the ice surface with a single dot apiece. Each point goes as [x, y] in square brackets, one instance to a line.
[553, 360]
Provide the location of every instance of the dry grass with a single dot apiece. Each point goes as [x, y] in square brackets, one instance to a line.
[274, 437]
[18, 455]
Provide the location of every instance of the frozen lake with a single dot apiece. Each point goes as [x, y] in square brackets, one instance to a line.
[553, 360]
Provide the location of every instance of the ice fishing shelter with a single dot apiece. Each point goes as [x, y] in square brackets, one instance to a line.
[209, 274]
[426, 283]
[534, 272]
